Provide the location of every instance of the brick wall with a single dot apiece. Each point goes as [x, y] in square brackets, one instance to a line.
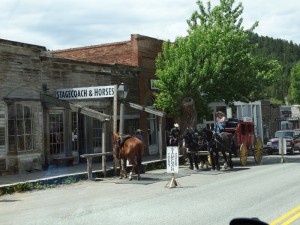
[116, 53]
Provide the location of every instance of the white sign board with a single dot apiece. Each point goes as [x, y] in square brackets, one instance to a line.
[172, 159]
[85, 92]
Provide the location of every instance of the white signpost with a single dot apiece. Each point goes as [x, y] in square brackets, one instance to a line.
[282, 148]
[172, 165]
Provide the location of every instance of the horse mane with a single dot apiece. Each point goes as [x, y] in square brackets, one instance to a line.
[120, 139]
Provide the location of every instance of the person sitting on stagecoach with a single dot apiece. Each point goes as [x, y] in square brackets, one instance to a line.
[174, 135]
[221, 122]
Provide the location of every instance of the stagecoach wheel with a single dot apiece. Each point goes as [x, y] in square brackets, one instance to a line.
[258, 151]
[243, 154]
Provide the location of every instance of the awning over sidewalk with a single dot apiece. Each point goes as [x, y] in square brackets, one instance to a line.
[146, 109]
[75, 107]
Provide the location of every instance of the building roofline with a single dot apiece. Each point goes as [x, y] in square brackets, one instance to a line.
[21, 44]
[137, 36]
[90, 46]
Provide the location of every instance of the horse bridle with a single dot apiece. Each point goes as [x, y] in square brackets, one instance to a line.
[205, 138]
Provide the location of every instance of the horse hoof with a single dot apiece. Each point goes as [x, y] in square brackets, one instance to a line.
[130, 178]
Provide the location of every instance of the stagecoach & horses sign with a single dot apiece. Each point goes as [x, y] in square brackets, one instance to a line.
[85, 92]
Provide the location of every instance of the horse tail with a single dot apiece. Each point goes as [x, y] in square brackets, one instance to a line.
[233, 146]
[140, 153]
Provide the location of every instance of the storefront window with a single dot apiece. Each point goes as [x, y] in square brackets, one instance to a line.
[75, 131]
[56, 133]
[2, 136]
[20, 128]
[2, 128]
[97, 134]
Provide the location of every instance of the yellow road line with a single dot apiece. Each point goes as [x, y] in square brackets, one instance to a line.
[292, 219]
[285, 216]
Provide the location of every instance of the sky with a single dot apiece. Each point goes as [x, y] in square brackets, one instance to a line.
[62, 24]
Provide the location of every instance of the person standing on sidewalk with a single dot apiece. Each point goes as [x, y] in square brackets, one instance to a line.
[174, 135]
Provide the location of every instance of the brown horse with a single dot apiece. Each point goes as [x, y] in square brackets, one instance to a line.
[130, 148]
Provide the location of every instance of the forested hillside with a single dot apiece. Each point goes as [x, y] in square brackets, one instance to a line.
[287, 53]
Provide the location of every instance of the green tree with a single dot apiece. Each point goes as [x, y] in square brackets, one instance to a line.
[295, 84]
[214, 62]
[287, 54]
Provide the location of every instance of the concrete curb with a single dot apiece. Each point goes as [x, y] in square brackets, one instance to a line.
[51, 182]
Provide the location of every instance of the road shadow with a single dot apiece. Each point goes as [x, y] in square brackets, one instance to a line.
[161, 175]
[277, 159]
[209, 171]
[145, 179]
[266, 160]
[5, 200]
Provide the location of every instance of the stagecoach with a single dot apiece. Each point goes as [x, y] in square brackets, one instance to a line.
[246, 142]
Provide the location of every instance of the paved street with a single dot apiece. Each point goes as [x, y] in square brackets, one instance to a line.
[202, 197]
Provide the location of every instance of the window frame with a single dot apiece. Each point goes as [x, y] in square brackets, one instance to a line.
[20, 127]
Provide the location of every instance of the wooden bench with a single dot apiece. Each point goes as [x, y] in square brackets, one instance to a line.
[90, 157]
[63, 161]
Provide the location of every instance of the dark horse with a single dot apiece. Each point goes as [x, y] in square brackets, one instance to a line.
[219, 143]
[130, 148]
[194, 144]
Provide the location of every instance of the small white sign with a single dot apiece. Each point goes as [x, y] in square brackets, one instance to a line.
[172, 159]
[152, 84]
[247, 119]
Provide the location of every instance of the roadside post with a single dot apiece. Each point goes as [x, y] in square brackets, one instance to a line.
[172, 165]
[282, 149]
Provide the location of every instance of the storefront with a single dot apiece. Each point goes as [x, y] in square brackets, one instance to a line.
[38, 123]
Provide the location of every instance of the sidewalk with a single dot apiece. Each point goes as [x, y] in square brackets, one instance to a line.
[54, 172]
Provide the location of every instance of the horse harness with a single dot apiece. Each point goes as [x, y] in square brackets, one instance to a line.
[218, 142]
[215, 140]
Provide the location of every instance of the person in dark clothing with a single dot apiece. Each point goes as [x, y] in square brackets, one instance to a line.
[138, 134]
[174, 135]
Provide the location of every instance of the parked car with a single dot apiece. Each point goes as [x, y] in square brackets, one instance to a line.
[292, 138]
[297, 140]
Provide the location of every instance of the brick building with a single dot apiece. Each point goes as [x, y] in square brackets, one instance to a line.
[140, 51]
[35, 126]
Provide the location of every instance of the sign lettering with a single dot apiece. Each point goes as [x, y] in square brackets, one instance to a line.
[85, 92]
[172, 159]
[152, 84]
